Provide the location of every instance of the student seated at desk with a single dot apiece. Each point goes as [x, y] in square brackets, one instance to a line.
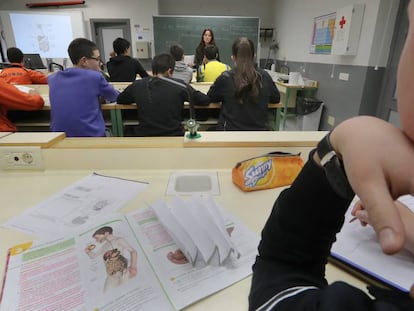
[244, 92]
[211, 68]
[181, 70]
[13, 98]
[122, 67]
[289, 272]
[160, 99]
[16, 73]
[75, 93]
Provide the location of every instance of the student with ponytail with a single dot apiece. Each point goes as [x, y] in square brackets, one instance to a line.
[244, 92]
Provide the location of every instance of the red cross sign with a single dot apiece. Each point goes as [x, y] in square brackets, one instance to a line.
[342, 22]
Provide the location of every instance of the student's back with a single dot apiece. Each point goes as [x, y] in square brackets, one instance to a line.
[75, 93]
[122, 67]
[160, 100]
[75, 108]
[244, 92]
[16, 73]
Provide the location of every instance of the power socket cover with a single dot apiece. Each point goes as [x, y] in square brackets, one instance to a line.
[21, 158]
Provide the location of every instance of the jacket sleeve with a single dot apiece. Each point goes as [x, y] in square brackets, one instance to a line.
[107, 90]
[199, 98]
[13, 98]
[140, 70]
[273, 91]
[37, 77]
[126, 96]
[216, 89]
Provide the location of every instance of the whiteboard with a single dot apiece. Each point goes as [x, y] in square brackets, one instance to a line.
[46, 33]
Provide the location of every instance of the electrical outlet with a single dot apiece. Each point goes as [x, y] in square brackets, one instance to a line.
[331, 120]
[344, 76]
[21, 158]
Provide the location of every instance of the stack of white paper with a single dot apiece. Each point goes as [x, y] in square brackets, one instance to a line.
[198, 228]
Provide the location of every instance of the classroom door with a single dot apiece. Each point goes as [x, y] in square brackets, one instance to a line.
[105, 31]
[387, 108]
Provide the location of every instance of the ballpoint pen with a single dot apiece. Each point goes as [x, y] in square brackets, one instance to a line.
[353, 219]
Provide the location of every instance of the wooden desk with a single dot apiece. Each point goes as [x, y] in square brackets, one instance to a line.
[153, 165]
[288, 95]
[115, 110]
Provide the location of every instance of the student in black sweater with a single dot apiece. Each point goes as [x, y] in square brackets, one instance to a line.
[244, 92]
[289, 273]
[160, 99]
[122, 67]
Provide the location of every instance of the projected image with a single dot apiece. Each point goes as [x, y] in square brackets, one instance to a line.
[47, 35]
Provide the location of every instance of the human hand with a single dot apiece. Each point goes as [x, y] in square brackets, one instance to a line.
[379, 161]
[132, 272]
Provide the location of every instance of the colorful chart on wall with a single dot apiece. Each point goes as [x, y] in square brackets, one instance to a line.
[323, 32]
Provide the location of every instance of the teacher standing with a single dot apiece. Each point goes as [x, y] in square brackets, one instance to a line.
[207, 38]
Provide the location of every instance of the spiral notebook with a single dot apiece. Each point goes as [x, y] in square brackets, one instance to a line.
[358, 249]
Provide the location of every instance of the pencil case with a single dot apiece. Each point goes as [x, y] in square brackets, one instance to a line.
[275, 169]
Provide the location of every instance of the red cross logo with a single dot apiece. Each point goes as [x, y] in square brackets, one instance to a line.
[342, 22]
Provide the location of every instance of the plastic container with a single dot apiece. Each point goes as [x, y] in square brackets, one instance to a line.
[309, 112]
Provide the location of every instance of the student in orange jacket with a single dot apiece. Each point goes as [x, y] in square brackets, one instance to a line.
[12, 98]
[17, 73]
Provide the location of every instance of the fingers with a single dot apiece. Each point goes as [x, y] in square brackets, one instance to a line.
[385, 219]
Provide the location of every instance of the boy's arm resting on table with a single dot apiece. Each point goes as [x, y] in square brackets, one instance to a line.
[126, 96]
[12, 98]
[37, 77]
[107, 90]
[199, 98]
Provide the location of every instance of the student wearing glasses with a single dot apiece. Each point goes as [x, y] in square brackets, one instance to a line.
[76, 93]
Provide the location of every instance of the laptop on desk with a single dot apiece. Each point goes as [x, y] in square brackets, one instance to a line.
[33, 61]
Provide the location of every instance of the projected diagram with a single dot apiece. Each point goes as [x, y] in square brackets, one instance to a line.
[323, 33]
[42, 39]
[47, 35]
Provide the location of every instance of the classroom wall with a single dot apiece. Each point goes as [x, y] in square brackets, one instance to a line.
[259, 8]
[293, 20]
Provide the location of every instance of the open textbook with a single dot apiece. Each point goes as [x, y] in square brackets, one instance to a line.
[123, 263]
[358, 247]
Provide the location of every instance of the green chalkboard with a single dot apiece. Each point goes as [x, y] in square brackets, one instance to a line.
[187, 30]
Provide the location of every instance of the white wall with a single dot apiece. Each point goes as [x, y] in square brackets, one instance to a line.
[138, 11]
[293, 20]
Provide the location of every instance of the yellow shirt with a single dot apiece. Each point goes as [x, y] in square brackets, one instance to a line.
[211, 70]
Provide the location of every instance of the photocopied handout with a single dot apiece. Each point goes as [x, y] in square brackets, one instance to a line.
[358, 247]
[76, 206]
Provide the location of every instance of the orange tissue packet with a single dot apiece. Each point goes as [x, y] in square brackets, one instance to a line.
[274, 169]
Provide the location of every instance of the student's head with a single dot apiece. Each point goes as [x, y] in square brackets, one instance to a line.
[243, 50]
[177, 52]
[14, 55]
[207, 37]
[163, 64]
[121, 46]
[246, 77]
[211, 52]
[85, 54]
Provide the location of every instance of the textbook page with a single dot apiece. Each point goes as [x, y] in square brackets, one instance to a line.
[105, 273]
[77, 206]
[183, 282]
[358, 247]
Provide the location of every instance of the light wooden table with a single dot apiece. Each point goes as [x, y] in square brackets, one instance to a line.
[73, 158]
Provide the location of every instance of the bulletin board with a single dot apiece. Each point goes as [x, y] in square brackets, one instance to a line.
[323, 33]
